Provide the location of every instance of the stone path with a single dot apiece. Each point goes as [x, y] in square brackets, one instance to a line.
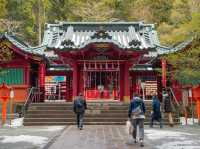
[96, 137]
[116, 137]
[29, 137]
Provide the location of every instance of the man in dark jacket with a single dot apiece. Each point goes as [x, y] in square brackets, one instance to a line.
[136, 113]
[156, 113]
[79, 108]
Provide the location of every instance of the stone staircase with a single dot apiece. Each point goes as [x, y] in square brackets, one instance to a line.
[98, 113]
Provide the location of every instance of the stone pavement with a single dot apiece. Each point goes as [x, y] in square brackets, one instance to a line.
[96, 137]
[115, 137]
[28, 137]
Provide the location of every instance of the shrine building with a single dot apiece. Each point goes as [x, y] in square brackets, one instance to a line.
[105, 61]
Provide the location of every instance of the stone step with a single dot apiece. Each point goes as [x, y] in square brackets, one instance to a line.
[70, 108]
[88, 103]
[86, 119]
[71, 111]
[68, 115]
[70, 104]
[86, 123]
[89, 108]
[97, 113]
[148, 112]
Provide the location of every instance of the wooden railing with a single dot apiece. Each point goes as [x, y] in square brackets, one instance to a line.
[175, 103]
[33, 96]
[174, 97]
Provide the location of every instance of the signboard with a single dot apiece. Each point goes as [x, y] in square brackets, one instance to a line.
[150, 87]
[55, 79]
[52, 82]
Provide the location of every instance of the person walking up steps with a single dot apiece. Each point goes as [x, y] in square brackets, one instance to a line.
[156, 113]
[136, 114]
[79, 109]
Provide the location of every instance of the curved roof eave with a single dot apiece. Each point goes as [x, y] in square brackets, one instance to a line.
[162, 50]
[23, 47]
[71, 48]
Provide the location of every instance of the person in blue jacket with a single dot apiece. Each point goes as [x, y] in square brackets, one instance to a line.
[156, 112]
[136, 114]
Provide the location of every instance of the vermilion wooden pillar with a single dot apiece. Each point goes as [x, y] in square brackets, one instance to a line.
[42, 73]
[126, 83]
[75, 80]
[164, 76]
[196, 96]
[121, 96]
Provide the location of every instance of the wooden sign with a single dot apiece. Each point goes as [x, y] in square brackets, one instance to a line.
[150, 87]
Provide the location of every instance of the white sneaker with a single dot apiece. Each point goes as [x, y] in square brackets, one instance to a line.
[141, 143]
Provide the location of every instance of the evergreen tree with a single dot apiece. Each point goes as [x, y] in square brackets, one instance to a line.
[160, 9]
[94, 10]
[180, 13]
[187, 63]
[3, 8]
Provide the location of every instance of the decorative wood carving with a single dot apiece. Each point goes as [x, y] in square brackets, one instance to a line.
[5, 51]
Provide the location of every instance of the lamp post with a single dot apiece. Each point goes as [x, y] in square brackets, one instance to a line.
[4, 96]
[11, 104]
[143, 87]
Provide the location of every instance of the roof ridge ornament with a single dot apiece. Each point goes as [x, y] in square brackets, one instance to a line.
[67, 43]
[101, 34]
[134, 43]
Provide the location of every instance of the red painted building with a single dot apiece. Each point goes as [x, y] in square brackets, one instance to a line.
[104, 61]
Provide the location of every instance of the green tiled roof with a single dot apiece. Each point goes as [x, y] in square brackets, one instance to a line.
[38, 50]
[77, 35]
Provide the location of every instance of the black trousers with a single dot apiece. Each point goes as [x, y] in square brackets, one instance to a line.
[79, 120]
[159, 119]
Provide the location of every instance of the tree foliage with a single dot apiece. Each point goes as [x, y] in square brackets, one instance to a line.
[187, 63]
[29, 16]
[3, 8]
[94, 10]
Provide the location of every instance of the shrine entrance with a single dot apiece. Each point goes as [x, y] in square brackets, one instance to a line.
[101, 85]
[101, 71]
[100, 80]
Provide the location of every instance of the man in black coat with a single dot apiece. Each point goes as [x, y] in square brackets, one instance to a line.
[79, 109]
